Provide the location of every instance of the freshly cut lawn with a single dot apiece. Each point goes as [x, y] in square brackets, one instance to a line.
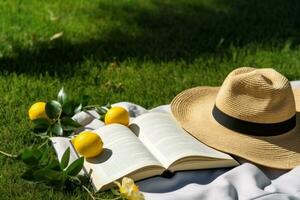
[140, 51]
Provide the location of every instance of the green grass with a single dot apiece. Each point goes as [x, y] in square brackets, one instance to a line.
[140, 51]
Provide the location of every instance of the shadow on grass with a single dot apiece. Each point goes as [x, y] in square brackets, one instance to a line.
[167, 30]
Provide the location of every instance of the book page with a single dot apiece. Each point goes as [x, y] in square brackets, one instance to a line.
[168, 142]
[123, 154]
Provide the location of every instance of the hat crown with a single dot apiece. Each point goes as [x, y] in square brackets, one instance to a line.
[256, 95]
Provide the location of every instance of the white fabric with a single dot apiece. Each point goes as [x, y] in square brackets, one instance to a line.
[247, 181]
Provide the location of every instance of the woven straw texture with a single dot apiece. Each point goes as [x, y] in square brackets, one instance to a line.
[256, 95]
[262, 96]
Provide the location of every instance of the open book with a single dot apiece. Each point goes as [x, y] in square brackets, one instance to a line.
[152, 143]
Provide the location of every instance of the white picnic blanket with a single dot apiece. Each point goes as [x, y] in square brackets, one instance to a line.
[247, 181]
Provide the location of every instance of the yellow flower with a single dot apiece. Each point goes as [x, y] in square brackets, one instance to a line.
[129, 189]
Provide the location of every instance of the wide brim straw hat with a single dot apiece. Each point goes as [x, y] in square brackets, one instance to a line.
[253, 115]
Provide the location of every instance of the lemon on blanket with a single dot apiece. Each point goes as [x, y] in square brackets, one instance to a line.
[38, 111]
[88, 144]
[117, 115]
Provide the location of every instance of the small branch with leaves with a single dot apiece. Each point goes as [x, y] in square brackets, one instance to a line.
[54, 118]
[101, 110]
[44, 168]
[59, 114]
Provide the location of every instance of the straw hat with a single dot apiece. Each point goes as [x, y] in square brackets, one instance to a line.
[253, 115]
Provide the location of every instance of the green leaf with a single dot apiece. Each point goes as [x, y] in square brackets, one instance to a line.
[102, 117]
[40, 126]
[65, 159]
[45, 174]
[101, 110]
[108, 106]
[84, 99]
[68, 124]
[53, 109]
[54, 164]
[78, 109]
[40, 129]
[69, 107]
[31, 156]
[41, 122]
[62, 96]
[75, 167]
[57, 129]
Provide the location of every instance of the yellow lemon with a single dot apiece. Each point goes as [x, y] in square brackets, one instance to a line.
[117, 115]
[37, 111]
[88, 144]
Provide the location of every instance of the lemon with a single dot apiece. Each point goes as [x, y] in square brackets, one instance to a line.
[117, 115]
[37, 111]
[88, 144]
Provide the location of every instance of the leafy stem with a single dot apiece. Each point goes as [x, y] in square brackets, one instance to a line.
[89, 192]
[44, 143]
[101, 110]
[43, 166]
[8, 154]
[88, 107]
[97, 198]
[91, 106]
